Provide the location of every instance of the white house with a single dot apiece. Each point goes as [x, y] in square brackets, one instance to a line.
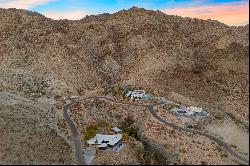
[73, 97]
[189, 111]
[194, 109]
[102, 141]
[115, 129]
[136, 94]
[103, 146]
[129, 93]
[140, 91]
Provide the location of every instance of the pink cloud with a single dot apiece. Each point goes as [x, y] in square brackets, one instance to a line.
[70, 15]
[21, 4]
[231, 14]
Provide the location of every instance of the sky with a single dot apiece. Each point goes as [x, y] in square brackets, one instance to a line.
[230, 12]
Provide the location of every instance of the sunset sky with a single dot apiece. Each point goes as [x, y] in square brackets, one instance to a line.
[231, 12]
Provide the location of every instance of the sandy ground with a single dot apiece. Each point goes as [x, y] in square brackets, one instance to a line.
[24, 141]
[26, 136]
[232, 135]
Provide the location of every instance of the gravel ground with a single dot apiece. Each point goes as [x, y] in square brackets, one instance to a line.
[27, 136]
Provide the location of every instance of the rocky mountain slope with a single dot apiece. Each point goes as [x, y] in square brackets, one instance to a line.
[203, 62]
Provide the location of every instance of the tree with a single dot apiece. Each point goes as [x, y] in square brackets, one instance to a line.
[126, 127]
[91, 131]
[125, 137]
[89, 134]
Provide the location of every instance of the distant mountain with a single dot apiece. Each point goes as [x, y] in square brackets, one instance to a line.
[204, 62]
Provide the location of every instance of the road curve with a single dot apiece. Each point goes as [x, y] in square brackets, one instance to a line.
[75, 137]
[77, 141]
[212, 137]
[175, 126]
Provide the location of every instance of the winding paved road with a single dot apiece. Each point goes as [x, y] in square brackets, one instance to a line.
[75, 137]
[204, 133]
[77, 142]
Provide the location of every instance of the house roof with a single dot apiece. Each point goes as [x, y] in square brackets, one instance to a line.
[194, 109]
[115, 129]
[109, 139]
[141, 91]
[115, 139]
[99, 138]
[72, 97]
[91, 141]
[174, 109]
[103, 145]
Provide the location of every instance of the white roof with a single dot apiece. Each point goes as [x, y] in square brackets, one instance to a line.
[116, 129]
[139, 91]
[91, 141]
[115, 139]
[190, 113]
[129, 93]
[103, 145]
[174, 109]
[72, 97]
[137, 95]
[110, 139]
[194, 109]
[99, 138]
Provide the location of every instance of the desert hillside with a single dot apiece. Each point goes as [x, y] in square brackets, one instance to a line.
[203, 62]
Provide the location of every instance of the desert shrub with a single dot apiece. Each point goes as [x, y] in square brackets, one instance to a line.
[224, 155]
[124, 90]
[91, 131]
[218, 116]
[126, 123]
[126, 126]
[117, 116]
[125, 137]
[154, 99]
[92, 126]
[132, 131]
[203, 163]
[197, 126]
[234, 146]
[140, 153]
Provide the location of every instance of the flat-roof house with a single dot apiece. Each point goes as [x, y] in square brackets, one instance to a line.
[103, 146]
[194, 109]
[104, 140]
[136, 94]
[115, 129]
[140, 91]
[129, 94]
[91, 141]
[73, 97]
[189, 111]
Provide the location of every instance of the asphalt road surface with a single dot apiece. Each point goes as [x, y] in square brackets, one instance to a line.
[77, 142]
